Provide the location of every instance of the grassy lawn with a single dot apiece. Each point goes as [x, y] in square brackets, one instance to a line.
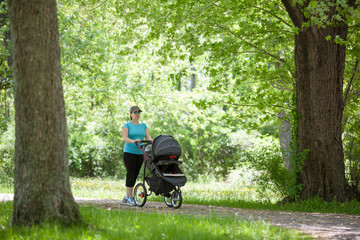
[210, 192]
[122, 224]
[115, 224]
[215, 193]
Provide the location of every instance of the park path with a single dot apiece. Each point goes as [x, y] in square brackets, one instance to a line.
[318, 225]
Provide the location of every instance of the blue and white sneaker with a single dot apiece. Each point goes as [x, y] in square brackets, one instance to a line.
[131, 201]
[125, 199]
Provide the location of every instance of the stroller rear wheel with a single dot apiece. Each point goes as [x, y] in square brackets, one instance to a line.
[176, 199]
[140, 194]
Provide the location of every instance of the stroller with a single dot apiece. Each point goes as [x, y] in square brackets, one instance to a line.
[161, 172]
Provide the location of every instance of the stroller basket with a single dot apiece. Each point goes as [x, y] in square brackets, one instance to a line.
[159, 185]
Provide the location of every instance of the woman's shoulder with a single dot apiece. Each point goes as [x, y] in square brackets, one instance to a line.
[127, 124]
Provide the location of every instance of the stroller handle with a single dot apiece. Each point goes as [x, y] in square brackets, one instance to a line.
[143, 141]
[142, 147]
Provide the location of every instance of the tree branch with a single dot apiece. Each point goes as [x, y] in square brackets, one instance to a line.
[252, 45]
[267, 11]
[294, 12]
[92, 8]
[280, 87]
[250, 105]
[349, 87]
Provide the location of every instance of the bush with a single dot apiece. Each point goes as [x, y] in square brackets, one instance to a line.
[271, 174]
[352, 153]
[7, 153]
[95, 149]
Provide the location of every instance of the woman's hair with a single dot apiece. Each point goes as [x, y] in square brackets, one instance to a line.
[130, 117]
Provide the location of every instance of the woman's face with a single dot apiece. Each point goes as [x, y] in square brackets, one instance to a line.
[135, 115]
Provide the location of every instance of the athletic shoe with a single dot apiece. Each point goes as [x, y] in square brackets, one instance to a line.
[125, 199]
[131, 202]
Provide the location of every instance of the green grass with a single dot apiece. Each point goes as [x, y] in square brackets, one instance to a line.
[121, 224]
[209, 192]
[116, 224]
[228, 194]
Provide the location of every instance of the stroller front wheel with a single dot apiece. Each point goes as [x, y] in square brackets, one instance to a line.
[176, 199]
[167, 199]
[140, 194]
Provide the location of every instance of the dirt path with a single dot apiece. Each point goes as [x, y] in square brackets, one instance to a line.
[320, 226]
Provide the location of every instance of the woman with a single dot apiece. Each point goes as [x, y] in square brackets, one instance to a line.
[133, 131]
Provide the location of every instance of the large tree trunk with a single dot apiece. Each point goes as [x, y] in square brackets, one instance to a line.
[319, 83]
[42, 187]
[319, 65]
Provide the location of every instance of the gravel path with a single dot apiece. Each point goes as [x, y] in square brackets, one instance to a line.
[318, 225]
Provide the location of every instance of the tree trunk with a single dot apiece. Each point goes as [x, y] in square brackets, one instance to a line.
[319, 82]
[42, 187]
[192, 78]
[319, 70]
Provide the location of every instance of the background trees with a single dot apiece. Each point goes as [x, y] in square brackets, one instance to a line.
[320, 30]
[119, 53]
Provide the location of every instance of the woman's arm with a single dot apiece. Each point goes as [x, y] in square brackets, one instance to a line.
[147, 135]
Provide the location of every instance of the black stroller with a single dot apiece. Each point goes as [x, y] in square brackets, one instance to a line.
[161, 172]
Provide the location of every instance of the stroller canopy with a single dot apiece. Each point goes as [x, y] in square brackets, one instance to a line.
[166, 145]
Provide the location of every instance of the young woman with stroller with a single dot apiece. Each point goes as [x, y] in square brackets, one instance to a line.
[133, 131]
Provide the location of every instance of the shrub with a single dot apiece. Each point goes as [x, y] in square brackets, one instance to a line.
[352, 153]
[271, 174]
[7, 153]
[95, 149]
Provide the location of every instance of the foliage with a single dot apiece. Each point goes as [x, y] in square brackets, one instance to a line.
[232, 45]
[272, 175]
[196, 131]
[239, 53]
[248, 61]
[351, 136]
[119, 53]
[114, 74]
[7, 142]
[6, 101]
[6, 80]
[351, 141]
[94, 148]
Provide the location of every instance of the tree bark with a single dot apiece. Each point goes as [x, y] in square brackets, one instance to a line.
[192, 78]
[319, 71]
[319, 77]
[42, 186]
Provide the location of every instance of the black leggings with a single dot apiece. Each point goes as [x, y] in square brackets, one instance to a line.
[133, 163]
